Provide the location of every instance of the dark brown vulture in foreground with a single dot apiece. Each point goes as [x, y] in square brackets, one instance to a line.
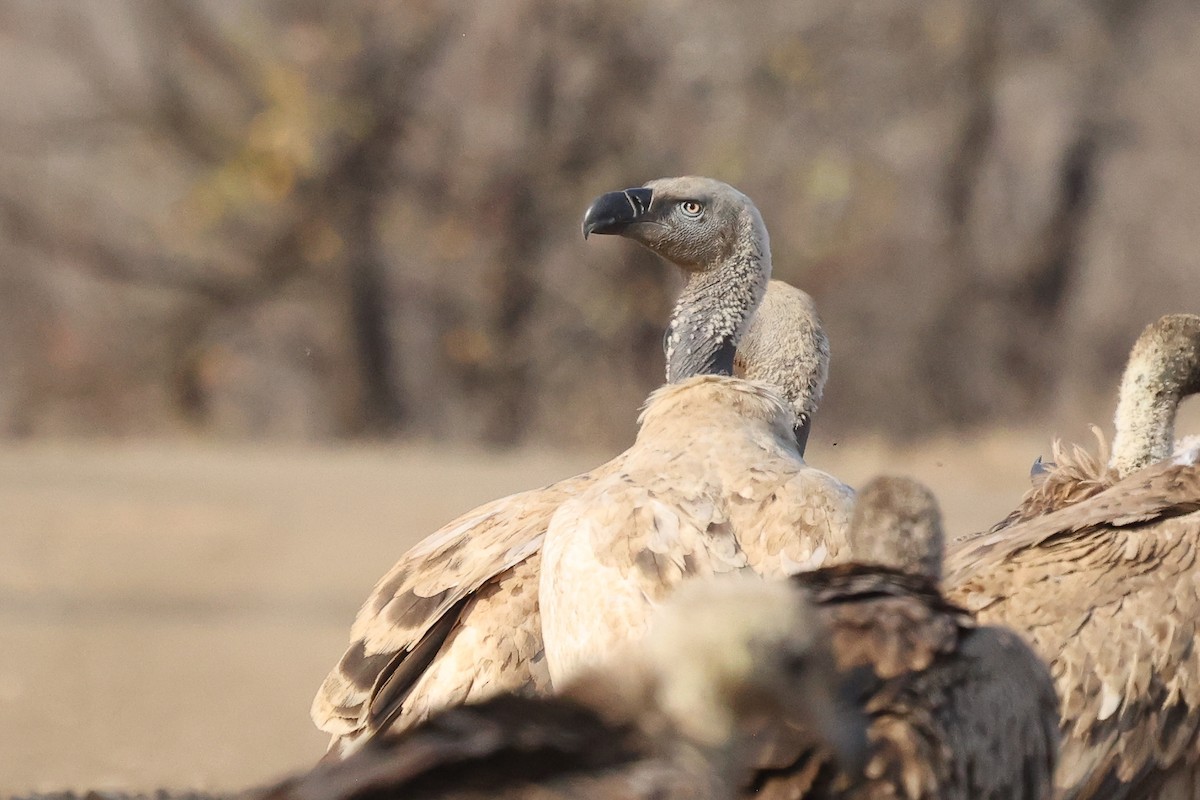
[676, 717]
[957, 711]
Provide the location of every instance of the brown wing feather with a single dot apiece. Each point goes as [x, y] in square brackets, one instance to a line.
[956, 711]
[397, 680]
[1003, 709]
[1107, 591]
[1165, 489]
[418, 605]
[508, 746]
[1074, 475]
[495, 645]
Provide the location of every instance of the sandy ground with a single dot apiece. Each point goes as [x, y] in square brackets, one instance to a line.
[168, 610]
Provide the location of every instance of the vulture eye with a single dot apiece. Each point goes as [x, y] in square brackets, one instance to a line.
[691, 208]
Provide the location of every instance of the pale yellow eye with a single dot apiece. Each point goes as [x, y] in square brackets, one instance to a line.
[691, 208]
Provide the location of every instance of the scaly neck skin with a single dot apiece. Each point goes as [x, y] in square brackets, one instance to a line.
[1145, 419]
[1163, 368]
[716, 306]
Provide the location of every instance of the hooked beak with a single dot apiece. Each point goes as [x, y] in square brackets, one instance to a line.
[610, 213]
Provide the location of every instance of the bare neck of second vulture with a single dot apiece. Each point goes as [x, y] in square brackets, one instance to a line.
[1155, 381]
[717, 303]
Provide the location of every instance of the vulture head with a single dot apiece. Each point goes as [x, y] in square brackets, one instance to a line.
[716, 236]
[693, 222]
[897, 523]
[734, 654]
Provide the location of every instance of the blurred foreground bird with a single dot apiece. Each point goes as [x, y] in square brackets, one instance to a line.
[458, 619]
[715, 482]
[675, 718]
[1107, 589]
[957, 711]
[97, 794]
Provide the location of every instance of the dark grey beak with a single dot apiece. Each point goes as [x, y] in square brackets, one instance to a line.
[612, 212]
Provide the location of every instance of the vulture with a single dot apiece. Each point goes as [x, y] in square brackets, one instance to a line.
[1155, 380]
[675, 718]
[786, 347]
[1107, 590]
[105, 794]
[457, 617]
[956, 710]
[714, 482]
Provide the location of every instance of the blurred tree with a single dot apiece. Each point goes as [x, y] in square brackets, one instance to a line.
[301, 219]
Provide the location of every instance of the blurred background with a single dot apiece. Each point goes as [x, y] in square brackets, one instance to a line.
[284, 285]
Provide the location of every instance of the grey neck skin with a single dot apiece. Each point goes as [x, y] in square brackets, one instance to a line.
[1163, 368]
[716, 305]
[1145, 418]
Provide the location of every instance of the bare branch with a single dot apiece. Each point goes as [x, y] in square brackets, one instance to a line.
[108, 259]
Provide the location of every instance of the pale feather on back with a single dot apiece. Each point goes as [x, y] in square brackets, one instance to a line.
[713, 485]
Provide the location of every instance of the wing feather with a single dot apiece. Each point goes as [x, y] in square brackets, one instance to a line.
[957, 712]
[633, 536]
[414, 612]
[1107, 592]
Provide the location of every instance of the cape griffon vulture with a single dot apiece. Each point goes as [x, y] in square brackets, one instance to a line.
[1107, 589]
[1155, 380]
[715, 482]
[957, 711]
[677, 718]
[457, 617]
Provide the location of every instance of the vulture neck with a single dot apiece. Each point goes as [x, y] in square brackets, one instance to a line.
[786, 347]
[717, 303]
[1159, 375]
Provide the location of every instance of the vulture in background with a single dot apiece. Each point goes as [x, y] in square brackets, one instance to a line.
[1107, 589]
[957, 711]
[1155, 380]
[715, 482]
[676, 718]
[457, 618]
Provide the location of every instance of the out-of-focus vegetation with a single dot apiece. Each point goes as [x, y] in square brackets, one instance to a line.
[307, 219]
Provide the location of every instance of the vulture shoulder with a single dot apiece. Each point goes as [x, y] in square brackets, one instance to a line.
[955, 710]
[1164, 490]
[712, 499]
[470, 587]
[1075, 474]
[1108, 591]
